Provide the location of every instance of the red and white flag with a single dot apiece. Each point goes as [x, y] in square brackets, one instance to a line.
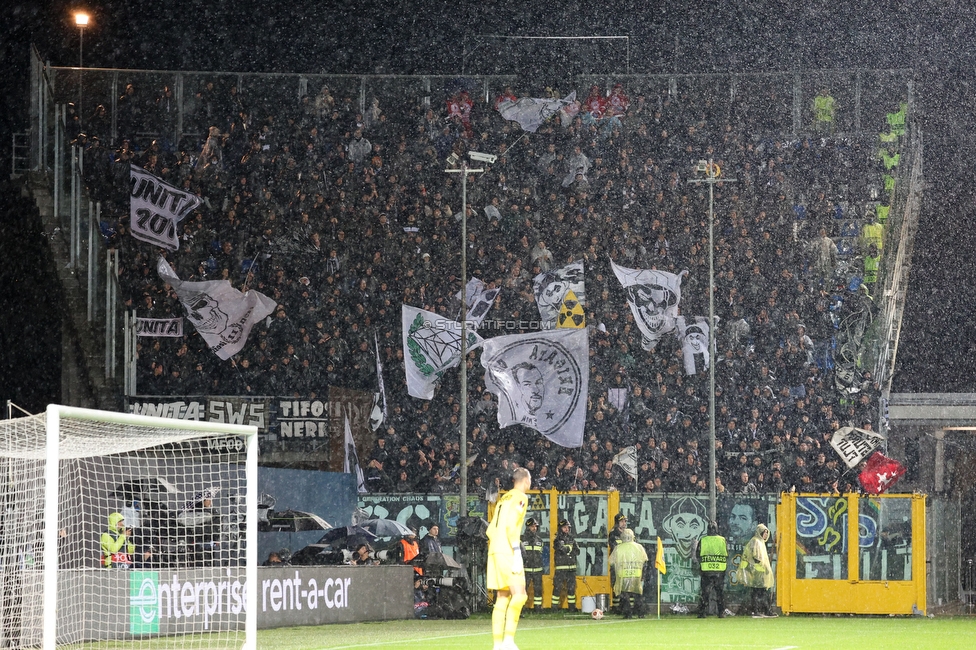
[880, 473]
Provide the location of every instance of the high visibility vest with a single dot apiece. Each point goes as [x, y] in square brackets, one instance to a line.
[873, 233]
[871, 269]
[713, 553]
[897, 120]
[882, 212]
[823, 108]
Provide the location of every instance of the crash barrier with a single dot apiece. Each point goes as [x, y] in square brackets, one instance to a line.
[135, 603]
[852, 554]
[307, 595]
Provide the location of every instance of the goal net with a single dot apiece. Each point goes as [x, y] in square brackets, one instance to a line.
[130, 531]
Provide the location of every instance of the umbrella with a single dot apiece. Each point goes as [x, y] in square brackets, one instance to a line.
[138, 488]
[437, 561]
[346, 535]
[294, 521]
[386, 528]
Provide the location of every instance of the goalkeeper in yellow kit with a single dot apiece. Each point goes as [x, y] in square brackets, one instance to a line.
[505, 573]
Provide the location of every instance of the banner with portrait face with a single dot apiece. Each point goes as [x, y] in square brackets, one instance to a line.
[680, 521]
[541, 381]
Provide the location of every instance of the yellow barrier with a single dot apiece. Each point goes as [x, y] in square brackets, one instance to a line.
[851, 554]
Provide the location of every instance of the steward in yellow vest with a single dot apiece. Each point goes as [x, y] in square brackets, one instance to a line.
[713, 555]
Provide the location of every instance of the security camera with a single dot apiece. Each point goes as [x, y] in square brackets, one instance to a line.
[453, 160]
[702, 166]
[482, 157]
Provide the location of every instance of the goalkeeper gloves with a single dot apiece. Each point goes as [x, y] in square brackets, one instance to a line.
[517, 559]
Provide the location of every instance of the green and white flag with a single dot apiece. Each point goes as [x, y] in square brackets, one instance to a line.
[431, 346]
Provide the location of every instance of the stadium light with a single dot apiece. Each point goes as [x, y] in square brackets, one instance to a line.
[81, 20]
[712, 174]
[453, 160]
[482, 157]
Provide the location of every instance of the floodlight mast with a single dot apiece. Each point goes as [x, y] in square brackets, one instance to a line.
[454, 160]
[712, 174]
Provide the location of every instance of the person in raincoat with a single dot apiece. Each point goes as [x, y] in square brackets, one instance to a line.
[757, 574]
[117, 550]
[627, 560]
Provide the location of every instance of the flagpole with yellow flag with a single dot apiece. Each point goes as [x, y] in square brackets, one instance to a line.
[661, 570]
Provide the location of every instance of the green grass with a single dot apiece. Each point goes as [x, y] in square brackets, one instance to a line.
[570, 632]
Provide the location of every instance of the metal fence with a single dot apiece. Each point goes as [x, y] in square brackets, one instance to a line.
[170, 105]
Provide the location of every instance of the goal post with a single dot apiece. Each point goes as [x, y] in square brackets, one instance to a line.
[142, 532]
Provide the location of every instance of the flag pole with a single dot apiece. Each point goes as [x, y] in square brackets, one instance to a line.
[658, 594]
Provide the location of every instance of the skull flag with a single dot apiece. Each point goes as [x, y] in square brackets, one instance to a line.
[220, 313]
[653, 297]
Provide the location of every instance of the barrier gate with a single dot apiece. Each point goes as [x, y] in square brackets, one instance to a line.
[822, 570]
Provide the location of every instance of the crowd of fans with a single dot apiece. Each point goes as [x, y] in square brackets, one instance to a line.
[340, 216]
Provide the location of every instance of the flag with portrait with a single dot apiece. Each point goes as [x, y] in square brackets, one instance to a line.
[694, 334]
[541, 380]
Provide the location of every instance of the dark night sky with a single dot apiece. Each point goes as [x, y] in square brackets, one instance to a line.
[938, 343]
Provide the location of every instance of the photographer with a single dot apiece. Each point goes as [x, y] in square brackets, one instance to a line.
[363, 556]
[117, 549]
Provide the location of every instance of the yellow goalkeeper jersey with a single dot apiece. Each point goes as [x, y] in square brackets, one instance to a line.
[505, 529]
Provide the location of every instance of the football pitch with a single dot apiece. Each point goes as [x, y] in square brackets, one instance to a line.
[572, 632]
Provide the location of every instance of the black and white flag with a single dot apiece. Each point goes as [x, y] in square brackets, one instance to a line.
[550, 289]
[350, 463]
[694, 343]
[220, 313]
[532, 112]
[379, 413]
[479, 299]
[626, 459]
[854, 445]
[155, 207]
[431, 346]
[653, 297]
[541, 380]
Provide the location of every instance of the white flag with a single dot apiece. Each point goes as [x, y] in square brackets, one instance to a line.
[351, 462]
[155, 207]
[479, 299]
[854, 445]
[653, 297]
[532, 112]
[431, 346]
[220, 313]
[694, 343]
[541, 380]
[626, 460]
[551, 286]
